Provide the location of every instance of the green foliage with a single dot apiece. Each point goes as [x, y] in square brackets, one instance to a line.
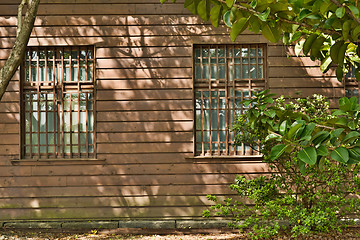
[328, 30]
[314, 156]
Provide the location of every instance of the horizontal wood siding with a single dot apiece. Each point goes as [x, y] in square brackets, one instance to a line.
[144, 167]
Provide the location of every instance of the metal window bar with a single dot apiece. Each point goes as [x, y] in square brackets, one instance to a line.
[45, 85]
[351, 85]
[244, 68]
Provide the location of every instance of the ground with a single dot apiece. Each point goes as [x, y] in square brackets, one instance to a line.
[42, 234]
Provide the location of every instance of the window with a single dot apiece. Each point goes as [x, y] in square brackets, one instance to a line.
[57, 99]
[351, 84]
[224, 75]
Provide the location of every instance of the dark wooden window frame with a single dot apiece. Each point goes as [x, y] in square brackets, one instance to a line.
[242, 86]
[77, 93]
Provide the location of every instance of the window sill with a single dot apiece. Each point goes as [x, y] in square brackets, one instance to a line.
[242, 158]
[45, 161]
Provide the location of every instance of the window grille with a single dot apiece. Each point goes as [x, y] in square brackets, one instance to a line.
[351, 84]
[224, 75]
[57, 92]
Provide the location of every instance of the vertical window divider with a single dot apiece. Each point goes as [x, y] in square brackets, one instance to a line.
[218, 99]
[79, 98]
[210, 97]
[227, 112]
[61, 79]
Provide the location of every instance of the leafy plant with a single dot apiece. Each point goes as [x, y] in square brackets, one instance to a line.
[327, 30]
[313, 155]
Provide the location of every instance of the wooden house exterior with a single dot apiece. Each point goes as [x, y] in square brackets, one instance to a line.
[147, 71]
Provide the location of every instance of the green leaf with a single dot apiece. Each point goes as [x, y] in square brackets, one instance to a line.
[302, 167]
[341, 55]
[227, 20]
[253, 4]
[322, 150]
[255, 24]
[298, 47]
[355, 32]
[271, 136]
[309, 41]
[304, 13]
[351, 137]
[163, 1]
[320, 137]
[293, 130]
[229, 3]
[238, 27]
[191, 5]
[308, 155]
[339, 73]
[355, 153]
[203, 9]
[273, 34]
[316, 46]
[215, 15]
[264, 15]
[283, 128]
[334, 50]
[308, 130]
[325, 64]
[340, 12]
[295, 36]
[338, 112]
[340, 154]
[346, 29]
[354, 10]
[277, 151]
[270, 113]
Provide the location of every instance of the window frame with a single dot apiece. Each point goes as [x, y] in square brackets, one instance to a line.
[59, 90]
[263, 84]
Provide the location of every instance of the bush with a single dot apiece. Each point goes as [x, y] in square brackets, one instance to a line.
[313, 155]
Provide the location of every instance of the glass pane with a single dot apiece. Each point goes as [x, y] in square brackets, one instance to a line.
[222, 119]
[260, 72]
[205, 52]
[82, 121]
[206, 136]
[205, 73]
[83, 138]
[253, 52]
[253, 72]
[67, 121]
[237, 72]
[206, 120]
[214, 119]
[221, 72]
[213, 72]
[75, 138]
[75, 121]
[90, 139]
[245, 72]
[197, 72]
[197, 52]
[90, 121]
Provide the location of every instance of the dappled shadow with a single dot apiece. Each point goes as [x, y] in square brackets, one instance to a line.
[144, 121]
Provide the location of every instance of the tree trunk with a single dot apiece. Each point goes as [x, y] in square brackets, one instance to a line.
[25, 27]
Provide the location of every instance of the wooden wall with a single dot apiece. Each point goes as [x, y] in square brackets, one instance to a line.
[144, 114]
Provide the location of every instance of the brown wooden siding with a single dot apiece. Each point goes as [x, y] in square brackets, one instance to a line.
[144, 113]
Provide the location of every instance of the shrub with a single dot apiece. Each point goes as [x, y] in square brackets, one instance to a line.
[313, 155]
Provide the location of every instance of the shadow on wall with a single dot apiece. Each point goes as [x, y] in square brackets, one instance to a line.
[144, 124]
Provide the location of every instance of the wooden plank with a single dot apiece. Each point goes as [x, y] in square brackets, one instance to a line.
[10, 97]
[136, 201]
[144, 147]
[140, 158]
[135, 116]
[144, 73]
[68, 191]
[117, 180]
[155, 83]
[9, 139]
[118, 63]
[284, 61]
[147, 105]
[108, 20]
[12, 118]
[304, 92]
[9, 128]
[108, 127]
[123, 31]
[136, 41]
[7, 149]
[12, 107]
[143, 137]
[302, 81]
[142, 169]
[143, 51]
[145, 94]
[176, 212]
[105, 9]
[288, 72]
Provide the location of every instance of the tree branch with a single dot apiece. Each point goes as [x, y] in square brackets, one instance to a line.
[347, 10]
[305, 25]
[19, 48]
[20, 10]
